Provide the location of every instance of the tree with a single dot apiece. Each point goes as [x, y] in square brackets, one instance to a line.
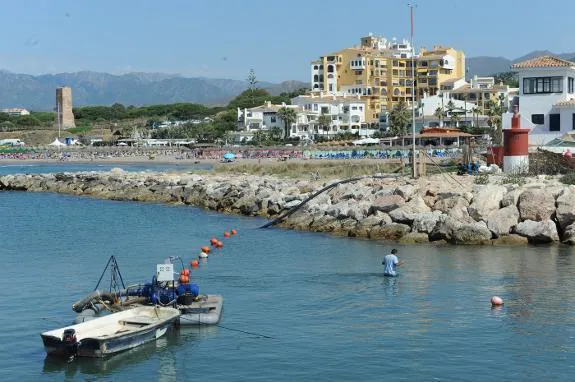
[117, 111]
[440, 114]
[494, 111]
[399, 119]
[476, 112]
[507, 78]
[288, 116]
[324, 121]
[252, 83]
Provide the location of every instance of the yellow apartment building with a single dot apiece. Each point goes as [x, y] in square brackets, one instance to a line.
[380, 72]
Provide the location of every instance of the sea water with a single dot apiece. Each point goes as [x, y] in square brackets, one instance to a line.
[297, 306]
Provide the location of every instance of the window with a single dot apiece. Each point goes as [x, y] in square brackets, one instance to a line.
[273, 119]
[315, 107]
[330, 87]
[324, 110]
[554, 122]
[570, 85]
[542, 85]
[538, 119]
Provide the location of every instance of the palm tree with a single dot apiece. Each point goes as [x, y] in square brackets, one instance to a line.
[476, 112]
[450, 110]
[399, 119]
[494, 112]
[289, 116]
[440, 114]
[455, 117]
[324, 121]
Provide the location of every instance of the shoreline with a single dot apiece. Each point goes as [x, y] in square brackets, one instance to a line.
[432, 210]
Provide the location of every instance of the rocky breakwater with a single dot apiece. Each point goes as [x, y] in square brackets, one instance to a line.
[434, 209]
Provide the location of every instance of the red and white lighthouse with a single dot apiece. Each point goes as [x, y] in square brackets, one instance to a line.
[516, 146]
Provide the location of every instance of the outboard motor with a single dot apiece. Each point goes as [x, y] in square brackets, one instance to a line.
[70, 341]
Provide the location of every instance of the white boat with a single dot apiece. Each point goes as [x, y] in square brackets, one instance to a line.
[204, 310]
[112, 333]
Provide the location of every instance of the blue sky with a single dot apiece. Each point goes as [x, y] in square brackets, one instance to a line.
[225, 38]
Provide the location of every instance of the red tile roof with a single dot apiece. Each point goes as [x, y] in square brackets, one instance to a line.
[543, 62]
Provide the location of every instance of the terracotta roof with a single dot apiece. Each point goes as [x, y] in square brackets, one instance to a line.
[567, 103]
[543, 62]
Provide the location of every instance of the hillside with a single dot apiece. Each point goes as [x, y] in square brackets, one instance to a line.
[486, 65]
[94, 88]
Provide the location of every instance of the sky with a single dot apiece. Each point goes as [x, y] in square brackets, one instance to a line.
[278, 39]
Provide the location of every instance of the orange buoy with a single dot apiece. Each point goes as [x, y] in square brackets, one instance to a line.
[194, 263]
[496, 301]
[226, 234]
[234, 231]
[206, 249]
[213, 241]
[219, 245]
[184, 279]
[185, 272]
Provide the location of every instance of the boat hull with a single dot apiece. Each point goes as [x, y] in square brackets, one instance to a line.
[206, 311]
[98, 348]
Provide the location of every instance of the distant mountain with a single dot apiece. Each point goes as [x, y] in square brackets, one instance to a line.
[94, 88]
[485, 65]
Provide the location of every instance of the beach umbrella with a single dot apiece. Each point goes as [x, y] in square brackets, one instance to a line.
[229, 156]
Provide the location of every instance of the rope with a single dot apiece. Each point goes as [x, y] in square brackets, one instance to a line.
[227, 328]
[442, 172]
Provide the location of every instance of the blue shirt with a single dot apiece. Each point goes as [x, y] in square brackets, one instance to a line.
[390, 264]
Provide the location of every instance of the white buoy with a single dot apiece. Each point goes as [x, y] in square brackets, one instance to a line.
[496, 301]
[203, 255]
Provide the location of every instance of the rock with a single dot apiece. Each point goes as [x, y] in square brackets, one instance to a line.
[292, 204]
[511, 198]
[536, 204]
[476, 233]
[390, 232]
[117, 170]
[569, 235]
[387, 203]
[445, 205]
[444, 229]
[566, 209]
[405, 191]
[538, 231]
[502, 221]
[485, 201]
[324, 223]
[461, 213]
[511, 239]
[415, 238]
[407, 213]
[425, 222]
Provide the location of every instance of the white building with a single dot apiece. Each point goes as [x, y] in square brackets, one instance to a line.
[262, 118]
[15, 111]
[347, 114]
[546, 98]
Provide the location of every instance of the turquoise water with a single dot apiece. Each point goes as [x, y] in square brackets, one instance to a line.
[36, 168]
[322, 300]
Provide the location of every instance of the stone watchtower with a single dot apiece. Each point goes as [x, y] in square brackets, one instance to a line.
[64, 107]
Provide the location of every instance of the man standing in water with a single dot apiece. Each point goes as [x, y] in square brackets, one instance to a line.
[390, 263]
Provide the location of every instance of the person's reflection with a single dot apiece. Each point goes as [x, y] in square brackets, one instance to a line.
[390, 286]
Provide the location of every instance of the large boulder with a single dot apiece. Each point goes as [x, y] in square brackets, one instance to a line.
[406, 191]
[444, 229]
[538, 231]
[485, 201]
[536, 205]
[502, 221]
[387, 203]
[415, 238]
[425, 222]
[324, 223]
[393, 231]
[446, 204]
[569, 235]
[475, 233]
[566, 209]
[508, 240]
[407, 213]
[511, 198]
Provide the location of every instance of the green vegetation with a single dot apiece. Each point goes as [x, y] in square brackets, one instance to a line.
[568, 178]
[481, 179]
[288, 116]
[518, 179]
[35, 119]
[508, 78]
[399, 119]
[312, 169]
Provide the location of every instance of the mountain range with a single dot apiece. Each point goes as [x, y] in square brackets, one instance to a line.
[485, 65]
[94, 88]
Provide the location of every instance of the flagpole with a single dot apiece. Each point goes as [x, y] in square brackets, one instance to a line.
[414, 171]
